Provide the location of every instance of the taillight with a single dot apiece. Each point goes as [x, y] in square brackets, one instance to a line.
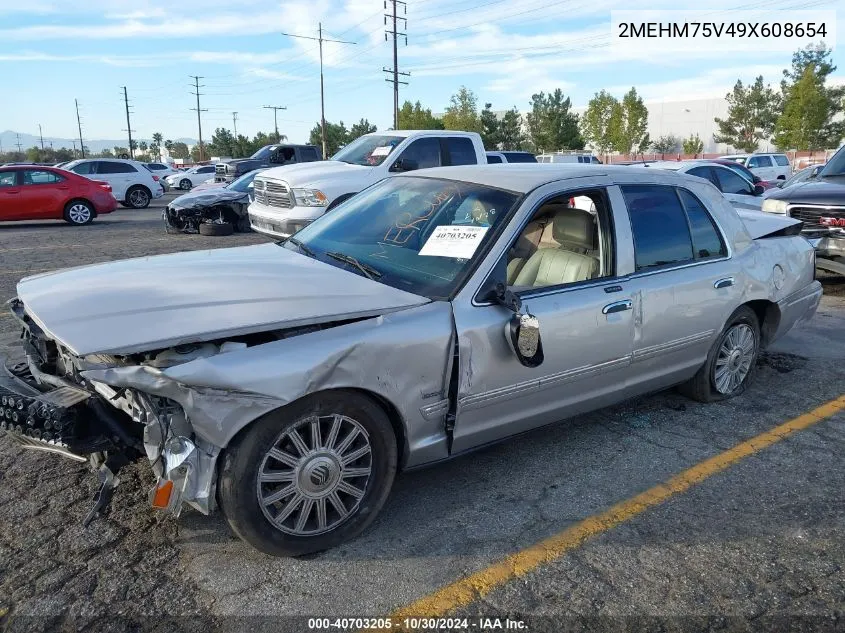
[155, 177]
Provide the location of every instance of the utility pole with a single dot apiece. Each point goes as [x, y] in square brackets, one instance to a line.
[198, 110]
[19, 143]
[235, 124]
[128, 126]
[275, 110]
[395, 70]
[41, 136]
[321, 39]
[79, 125]
[74, 148]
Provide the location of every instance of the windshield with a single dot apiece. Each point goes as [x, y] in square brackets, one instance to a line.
[241, 184]
[421, 235]
[368, 150]
[836, 165]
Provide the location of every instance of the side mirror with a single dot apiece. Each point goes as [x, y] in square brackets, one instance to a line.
[756, 179]
[758, 190]
[405, 164]
[523, 332]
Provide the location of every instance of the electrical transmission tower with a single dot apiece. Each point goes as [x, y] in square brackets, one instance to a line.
[395, 70]
[128, 126]
[19, 143]
[321, 39]
[198, 110]
[275, 110]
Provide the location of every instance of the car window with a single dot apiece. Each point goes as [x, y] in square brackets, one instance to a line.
[520, 157]
[567, 240]
[706, 240]
[425, 151]
[781, 160]
[40, 177]
[114, 167]
[491, 159]
[704, 172]
[157, 166]
[731, 182]
[461, 151]
[206, 170]
[83, 168]
[309, 154]
[759, 161]
[8, 178]
[659, 226]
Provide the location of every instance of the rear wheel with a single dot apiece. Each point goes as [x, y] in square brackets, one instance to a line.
[79, 212]
[732, 361]
[138, 197]
[309, 476]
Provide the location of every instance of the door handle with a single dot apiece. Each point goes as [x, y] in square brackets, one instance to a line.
[726, 282]
[617, 306]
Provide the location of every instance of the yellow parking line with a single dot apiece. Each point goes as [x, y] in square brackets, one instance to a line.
[481, 583]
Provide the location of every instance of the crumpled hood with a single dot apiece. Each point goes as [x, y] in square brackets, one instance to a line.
[304, 174]
[760, 224]
[205, 197]
[156, 302]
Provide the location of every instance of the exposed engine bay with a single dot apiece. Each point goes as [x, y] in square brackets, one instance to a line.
[216, 206]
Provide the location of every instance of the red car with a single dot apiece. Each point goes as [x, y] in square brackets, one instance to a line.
[35, 192]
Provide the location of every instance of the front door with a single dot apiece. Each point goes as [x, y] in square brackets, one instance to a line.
[562, 267]
[10, 196]
[43, 193]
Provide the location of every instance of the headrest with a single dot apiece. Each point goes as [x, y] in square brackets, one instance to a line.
[575, 229]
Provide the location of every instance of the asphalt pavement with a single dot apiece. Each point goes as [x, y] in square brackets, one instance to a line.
[758, 545]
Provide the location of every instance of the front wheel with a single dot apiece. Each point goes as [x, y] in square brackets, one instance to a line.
[309, 476]
[138, 197]
[185, 184]
[732, 361]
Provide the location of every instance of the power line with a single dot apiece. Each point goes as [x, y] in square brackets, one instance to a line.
[395, 70]
[197, 93]
[321, 39]
[79, 126]
[128, 125]
[275, 110]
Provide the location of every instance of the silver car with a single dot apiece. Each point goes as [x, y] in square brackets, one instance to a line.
[287, 383]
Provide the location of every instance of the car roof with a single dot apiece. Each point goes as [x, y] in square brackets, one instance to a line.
[407, 133]
[519, 177]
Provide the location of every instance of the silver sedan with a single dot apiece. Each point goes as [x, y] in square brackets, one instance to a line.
[433, 313]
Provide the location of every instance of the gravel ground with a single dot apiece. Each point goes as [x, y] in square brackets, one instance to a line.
[762, 541]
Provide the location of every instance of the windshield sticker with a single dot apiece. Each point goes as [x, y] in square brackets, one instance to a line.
[384, 150]
[453, 241]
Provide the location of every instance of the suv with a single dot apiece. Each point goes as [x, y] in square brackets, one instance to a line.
[568, 157]
[510, 157]
[131, 182]
[767, 166]
[268, 156]
[285, 199]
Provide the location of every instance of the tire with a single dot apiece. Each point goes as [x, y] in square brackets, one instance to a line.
[317, 480]
[123, 204]
[79, 212]
[217, 229]
[243, 225]
[742, 331]
[138, 197]
[185, 184]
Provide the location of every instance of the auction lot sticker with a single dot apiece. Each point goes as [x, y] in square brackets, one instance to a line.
[453, 241]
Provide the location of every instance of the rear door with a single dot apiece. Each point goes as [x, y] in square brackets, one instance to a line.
[10, 196]
[459, 150]
[118, 174]
[43, 193]
[202, 174]
[763, 166]
[688, 282]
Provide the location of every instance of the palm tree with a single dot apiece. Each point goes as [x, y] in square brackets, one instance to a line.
[157, 140]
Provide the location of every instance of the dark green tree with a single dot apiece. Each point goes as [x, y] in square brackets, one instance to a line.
[415, 117]
[490, 129]
[551, 123]
[752, 112]
[359, 129]
[336, 135]
[462, 112]
[511, 136]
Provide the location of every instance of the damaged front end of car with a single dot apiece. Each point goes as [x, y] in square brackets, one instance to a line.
[110, 410]
[186, 215]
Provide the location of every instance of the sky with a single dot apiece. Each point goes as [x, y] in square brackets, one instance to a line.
[55, 51]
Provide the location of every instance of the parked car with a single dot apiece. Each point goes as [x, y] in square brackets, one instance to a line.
[219, 210]
[289, 382]
[274, 155]
[806, 174]
[737, 190]
[30, 192]
[186, 180]
[568, 157]
[510, 157]
[820, 204]
[288, 198]
[769, 166]
[162, 170]
[132, 183]
[746, 173]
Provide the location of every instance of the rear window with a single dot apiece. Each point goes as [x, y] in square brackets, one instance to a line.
[759, 161]
[309, 154]
[706, 241]
[461, 151]
[493, 159]
[781, 160]
[659, 226]
[520, 157]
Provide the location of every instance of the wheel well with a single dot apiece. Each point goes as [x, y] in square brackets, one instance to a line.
[395, 421]
[768, 315]
[150, 193]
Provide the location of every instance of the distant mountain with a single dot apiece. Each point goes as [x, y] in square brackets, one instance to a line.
[9, 141]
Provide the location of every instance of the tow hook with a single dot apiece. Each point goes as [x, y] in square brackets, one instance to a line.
[107, 475]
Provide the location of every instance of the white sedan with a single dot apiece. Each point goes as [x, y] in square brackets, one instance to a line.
[736, 189]
[187, 180]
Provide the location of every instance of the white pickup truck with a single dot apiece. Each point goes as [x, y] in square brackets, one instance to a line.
[286, 198]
